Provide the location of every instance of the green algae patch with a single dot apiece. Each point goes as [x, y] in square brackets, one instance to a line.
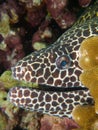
[4, 24]
[9, 114]
[3, 122]
[7, 81]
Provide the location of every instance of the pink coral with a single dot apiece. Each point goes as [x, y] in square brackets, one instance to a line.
[55, 7]
[55, 123]
[66, 19]
[84, 3]
[40, 35]
[13, 9]
[59, 11]
[35, 10]
[35, 16]
[13, 51]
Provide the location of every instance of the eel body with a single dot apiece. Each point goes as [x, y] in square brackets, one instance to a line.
[57, 69]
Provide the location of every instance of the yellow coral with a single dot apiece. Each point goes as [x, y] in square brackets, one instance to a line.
[88, 60]
[90, 79]
[89, 53]
[87, 116]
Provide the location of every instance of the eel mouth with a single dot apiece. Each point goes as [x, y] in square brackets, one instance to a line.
[60, 89]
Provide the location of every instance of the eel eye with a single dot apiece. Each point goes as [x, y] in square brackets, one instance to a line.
[63, 62]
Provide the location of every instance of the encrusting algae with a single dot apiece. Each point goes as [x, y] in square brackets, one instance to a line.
[7, 81]
[87, 116]
[9, 114]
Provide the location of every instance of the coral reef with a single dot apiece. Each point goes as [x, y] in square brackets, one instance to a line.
[11, 49]
[62, 16]
[56, 123]
[43, 35]
[25, 24]
[30, 120]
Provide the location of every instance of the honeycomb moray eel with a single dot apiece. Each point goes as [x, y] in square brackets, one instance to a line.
[56, 68]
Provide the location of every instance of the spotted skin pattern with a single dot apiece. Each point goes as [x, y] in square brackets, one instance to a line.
[40, 101]
[41, 67]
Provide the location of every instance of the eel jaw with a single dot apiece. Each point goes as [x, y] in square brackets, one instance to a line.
[48, 102]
